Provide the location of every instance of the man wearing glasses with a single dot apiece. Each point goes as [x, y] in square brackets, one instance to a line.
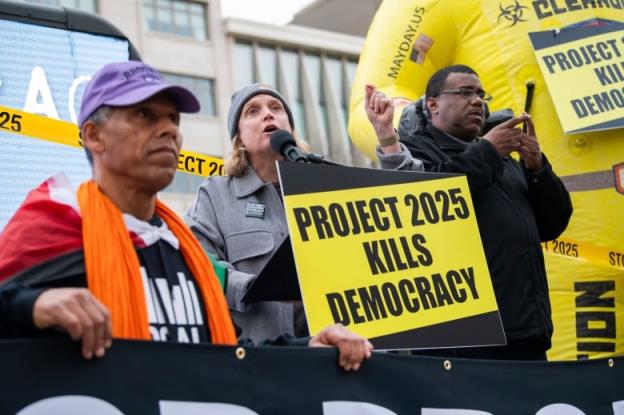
[517, 204]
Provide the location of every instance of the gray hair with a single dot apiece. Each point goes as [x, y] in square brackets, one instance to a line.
[98, 117]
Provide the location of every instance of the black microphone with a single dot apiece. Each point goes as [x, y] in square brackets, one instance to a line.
[284, 143]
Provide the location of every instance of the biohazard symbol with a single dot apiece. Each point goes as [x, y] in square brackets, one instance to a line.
[513, 12]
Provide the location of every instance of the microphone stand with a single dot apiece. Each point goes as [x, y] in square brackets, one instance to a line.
[319, 159]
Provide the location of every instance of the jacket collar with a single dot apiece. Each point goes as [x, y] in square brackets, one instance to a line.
[247, 184]
[447, 141]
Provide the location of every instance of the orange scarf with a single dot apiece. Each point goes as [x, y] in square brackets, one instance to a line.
[113, 269]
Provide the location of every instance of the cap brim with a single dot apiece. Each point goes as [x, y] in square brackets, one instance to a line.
[184, 100]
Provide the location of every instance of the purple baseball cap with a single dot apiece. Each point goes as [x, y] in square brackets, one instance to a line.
[120, 84]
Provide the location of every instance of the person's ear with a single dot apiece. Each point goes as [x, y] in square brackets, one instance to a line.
[90, 134]
[432, 105]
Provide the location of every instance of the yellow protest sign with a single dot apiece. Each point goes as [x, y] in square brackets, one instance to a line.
[62, 132]
[584, 70]
[396, 260]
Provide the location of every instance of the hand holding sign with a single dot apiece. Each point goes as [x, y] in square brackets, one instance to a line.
[353, 348]
[78, 312]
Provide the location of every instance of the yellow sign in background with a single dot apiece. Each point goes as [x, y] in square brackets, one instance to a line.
[586, 78]
[440, 214]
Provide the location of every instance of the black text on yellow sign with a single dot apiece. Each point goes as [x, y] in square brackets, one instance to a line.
[593, 63]
[596, 318]
[66, 133]
[407, 258]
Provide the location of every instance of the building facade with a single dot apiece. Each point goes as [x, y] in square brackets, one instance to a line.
[192, 45]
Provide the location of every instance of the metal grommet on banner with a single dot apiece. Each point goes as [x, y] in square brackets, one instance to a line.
[447, 365]
[240, 353]
[611, 362]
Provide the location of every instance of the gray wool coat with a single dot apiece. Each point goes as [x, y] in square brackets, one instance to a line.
[225, 217]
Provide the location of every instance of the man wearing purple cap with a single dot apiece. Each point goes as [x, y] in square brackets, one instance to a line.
[110, 260]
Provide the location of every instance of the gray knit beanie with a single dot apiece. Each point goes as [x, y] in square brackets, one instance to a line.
[240, 98]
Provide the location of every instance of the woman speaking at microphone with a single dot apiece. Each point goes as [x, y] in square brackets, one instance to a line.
[240, 217]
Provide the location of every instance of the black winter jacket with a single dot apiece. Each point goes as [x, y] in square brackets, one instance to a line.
[515, 210]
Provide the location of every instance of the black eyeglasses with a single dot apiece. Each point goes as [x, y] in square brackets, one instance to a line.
[468, 93]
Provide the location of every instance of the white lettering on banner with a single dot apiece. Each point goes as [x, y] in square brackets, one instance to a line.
[560, 409]
[354, 408]
[82, 404]
[37, 86]
[70, 405]
[439, 411]
[72, 97]
[202, 408]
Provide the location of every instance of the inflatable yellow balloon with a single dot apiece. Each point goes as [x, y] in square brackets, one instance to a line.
[410, 39]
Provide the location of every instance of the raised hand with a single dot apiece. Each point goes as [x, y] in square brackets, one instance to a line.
[380, 112]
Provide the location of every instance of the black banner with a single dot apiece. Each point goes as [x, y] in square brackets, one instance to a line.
[50, 377]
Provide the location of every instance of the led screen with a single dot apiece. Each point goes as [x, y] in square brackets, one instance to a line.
[44, 71]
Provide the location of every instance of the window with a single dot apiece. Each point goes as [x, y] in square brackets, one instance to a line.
[312, 63]
[328, 77]
[184, 18]
[335, 70]
[267, 65]
[243, 64]
[85, 5]
[203, 89]
[292, 76]
[351, 69]
[184, 183]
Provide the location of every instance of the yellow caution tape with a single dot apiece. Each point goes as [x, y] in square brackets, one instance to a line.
[68, 134]
[39, 126]
[200, 164]
[597, 255]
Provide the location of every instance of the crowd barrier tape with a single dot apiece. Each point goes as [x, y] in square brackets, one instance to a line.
[68, 134]
[597, 255]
